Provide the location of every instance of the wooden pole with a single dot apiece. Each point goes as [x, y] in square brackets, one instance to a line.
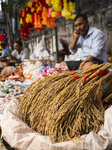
[44, 29]
[8, 30]
[56, 38]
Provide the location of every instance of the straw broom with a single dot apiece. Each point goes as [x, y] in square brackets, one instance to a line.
[64, 106]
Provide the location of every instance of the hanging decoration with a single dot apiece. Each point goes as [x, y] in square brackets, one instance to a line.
[4, 36]
[1, 37]
[1, 40]
[44, 12]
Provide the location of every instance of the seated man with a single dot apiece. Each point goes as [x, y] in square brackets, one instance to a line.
[20, 53]
[92, 42]
[5, 52]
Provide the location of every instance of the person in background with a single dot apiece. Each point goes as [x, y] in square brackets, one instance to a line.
[64, 51]
[20, 53]
[5, 52]
[92, 42]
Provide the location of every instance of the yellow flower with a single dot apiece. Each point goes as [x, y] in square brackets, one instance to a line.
[21, 21]
[40, 7]
[52, 1]
[30, 4]
[32, 9]
[28, 18]
[57, 2]
[71, 6]
[48, 1]
[73, 16]
[63, 13]
[67, 14]
[53, 14]
[57, 8]
[65, 1]
[65, 6]
[57, 5]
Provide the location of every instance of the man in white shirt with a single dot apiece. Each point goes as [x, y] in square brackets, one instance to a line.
[92, 42]
[20, 53]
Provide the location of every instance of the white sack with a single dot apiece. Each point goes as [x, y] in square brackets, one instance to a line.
[20, 136]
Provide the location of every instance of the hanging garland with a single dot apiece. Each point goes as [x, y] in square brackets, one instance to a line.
[5, 38]
[44, 12]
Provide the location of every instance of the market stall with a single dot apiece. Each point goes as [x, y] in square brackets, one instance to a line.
[39, 15]
[63, 111]
[15, 80]
[48, 107]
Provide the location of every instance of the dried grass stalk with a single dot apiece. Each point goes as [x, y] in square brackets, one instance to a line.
[67, 105]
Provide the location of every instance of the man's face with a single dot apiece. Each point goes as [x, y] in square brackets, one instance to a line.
[81, 26]
[3, 46]
[17, 47]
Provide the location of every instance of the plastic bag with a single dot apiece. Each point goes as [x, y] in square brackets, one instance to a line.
[40, 47]
[74, 57]
[32, 56]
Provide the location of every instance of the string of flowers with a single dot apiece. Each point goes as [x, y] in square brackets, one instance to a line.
[44, 12]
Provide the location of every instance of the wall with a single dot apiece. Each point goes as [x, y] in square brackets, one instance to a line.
[66, 33]
[65, 29]
[100, 15]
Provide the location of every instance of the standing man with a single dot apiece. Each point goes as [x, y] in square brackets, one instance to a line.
[92, 42]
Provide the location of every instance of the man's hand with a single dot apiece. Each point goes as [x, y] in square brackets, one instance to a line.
[90, 58]
[76, 37]
[9, 55]
[76, 34]
[81, 65]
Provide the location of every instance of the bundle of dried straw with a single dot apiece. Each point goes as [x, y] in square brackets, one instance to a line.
[67, 105]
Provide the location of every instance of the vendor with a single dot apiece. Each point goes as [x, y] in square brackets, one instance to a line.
[5, 52]
[20, 53]
[92, 42]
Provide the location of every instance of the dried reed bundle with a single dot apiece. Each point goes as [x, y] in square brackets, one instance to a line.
[67, 105]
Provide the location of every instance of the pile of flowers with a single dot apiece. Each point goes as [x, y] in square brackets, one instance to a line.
[44, 12]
